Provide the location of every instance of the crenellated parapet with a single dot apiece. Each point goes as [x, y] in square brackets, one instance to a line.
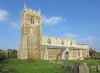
[31, 12]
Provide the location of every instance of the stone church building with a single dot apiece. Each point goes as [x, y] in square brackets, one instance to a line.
[33, 45]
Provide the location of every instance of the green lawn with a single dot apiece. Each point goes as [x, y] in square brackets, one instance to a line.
[39, 66]
[32, 66]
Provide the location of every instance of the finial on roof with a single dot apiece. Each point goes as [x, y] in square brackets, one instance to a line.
[39, 10]
[25, 6]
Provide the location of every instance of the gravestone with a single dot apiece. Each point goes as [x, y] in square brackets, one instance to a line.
[93, 68]
[69, 68]
[83, 68]
[76, 67]
[64, 63]
[98, 67]
[53, 62]
[50, 61]
[59, 62]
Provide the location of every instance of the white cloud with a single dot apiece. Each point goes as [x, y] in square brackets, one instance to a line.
[3, 15]
[93, 41]
[69, 35]
[15, 25]
[51, 20]
[90, 38]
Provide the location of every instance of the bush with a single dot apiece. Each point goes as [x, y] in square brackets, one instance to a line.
[2, 56]
[93, 57]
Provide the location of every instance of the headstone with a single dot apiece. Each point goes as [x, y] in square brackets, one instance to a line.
[69, 68]
[53, 62]
[59, 62]
[83, 68]
[64, 63]
[98, 68]
[76, 67]
[93, 68]
[50, 61]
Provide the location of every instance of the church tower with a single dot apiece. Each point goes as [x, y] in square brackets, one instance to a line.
[30, 44]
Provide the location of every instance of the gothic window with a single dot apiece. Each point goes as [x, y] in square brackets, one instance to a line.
[32, 20]
[78, 53]
[49, 41]
[62, 42]
[71, 43]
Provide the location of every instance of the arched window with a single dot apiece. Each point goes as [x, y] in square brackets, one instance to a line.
[32, 20]
[78, 53]
[71, 43]
[49, 41]
[62, 42]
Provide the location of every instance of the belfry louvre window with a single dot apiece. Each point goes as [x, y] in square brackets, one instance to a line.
[32, 20]
[62, 42]
[49, 41]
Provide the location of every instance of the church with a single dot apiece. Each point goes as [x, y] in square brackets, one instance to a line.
[33, 45]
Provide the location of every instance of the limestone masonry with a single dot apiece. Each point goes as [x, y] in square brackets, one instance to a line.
[33, 45]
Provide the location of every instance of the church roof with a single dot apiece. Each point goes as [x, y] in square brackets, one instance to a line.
[61, 47]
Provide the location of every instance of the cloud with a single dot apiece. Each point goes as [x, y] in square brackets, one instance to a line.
[90, 38]
[51, 20]
[3, 15]
[15, 25]
[93, 41]
[70, 35]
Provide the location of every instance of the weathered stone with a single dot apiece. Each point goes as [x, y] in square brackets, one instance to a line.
[69, 68]
[76, 67]
[64, 63]
[53, 62]
[98, 67]
[93, 68]
[83, 68]
[33, 45]
[59, 62]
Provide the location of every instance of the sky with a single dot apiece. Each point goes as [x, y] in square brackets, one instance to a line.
[76, 19]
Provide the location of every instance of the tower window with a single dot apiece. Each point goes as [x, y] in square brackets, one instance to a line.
[49, 41]
[32, 20]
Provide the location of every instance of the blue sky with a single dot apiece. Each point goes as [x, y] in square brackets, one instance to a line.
[77, 19]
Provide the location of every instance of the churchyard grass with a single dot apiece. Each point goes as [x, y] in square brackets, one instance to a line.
[40, 66]
[90, 62]
[32, 66]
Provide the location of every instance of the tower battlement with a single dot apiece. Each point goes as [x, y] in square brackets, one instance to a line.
[31, 12]
[30, 34]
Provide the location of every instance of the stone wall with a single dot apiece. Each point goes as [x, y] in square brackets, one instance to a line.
[58, 41]
[85, 53]
[35, 46]
[31, 32]
[53, 53]
[74, 54]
